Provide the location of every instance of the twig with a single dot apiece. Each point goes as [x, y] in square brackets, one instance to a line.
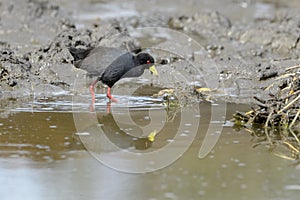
[294, 121]
[266, 127]
[288, 105]
[285, 76]
[291, 146]
[293, 67]
[284, 156]
[290, 95]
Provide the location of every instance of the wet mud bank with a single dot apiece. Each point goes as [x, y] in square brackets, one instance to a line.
[249, 52]
[46, 69]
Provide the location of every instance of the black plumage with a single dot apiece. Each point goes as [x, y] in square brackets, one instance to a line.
[111, 65]
[127, 65]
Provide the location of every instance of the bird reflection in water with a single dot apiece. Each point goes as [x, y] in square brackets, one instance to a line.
[120, 137]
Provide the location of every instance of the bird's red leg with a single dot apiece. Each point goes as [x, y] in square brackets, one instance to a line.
[110, 97]
[92, 87]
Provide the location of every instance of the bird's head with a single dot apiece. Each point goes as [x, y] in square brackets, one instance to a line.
[146, 60]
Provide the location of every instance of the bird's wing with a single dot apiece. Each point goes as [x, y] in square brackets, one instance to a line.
[112, 74]
[134, 72]
[99, 59]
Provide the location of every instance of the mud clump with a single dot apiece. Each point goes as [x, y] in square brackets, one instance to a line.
[254, 54]
[48, 69]
[276, 37]
[14, 71]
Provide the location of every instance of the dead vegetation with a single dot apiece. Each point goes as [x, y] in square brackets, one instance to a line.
[274, 121]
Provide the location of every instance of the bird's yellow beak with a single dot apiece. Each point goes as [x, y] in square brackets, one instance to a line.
[153, 70]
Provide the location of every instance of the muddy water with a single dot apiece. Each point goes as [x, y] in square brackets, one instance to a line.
[42, 157]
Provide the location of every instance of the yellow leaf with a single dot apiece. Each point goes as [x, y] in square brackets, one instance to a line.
[199, 90]
[152, 135]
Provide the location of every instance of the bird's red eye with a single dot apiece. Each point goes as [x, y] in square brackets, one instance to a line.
[148, 61]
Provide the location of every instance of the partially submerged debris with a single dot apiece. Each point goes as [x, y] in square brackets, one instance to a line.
[175, 99]
[274, 121]
[282, 109]
[203, 93]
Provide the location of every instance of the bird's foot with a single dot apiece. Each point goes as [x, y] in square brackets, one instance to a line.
[92, 108]
[112, 99]
[108, 107]
[92, 105]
